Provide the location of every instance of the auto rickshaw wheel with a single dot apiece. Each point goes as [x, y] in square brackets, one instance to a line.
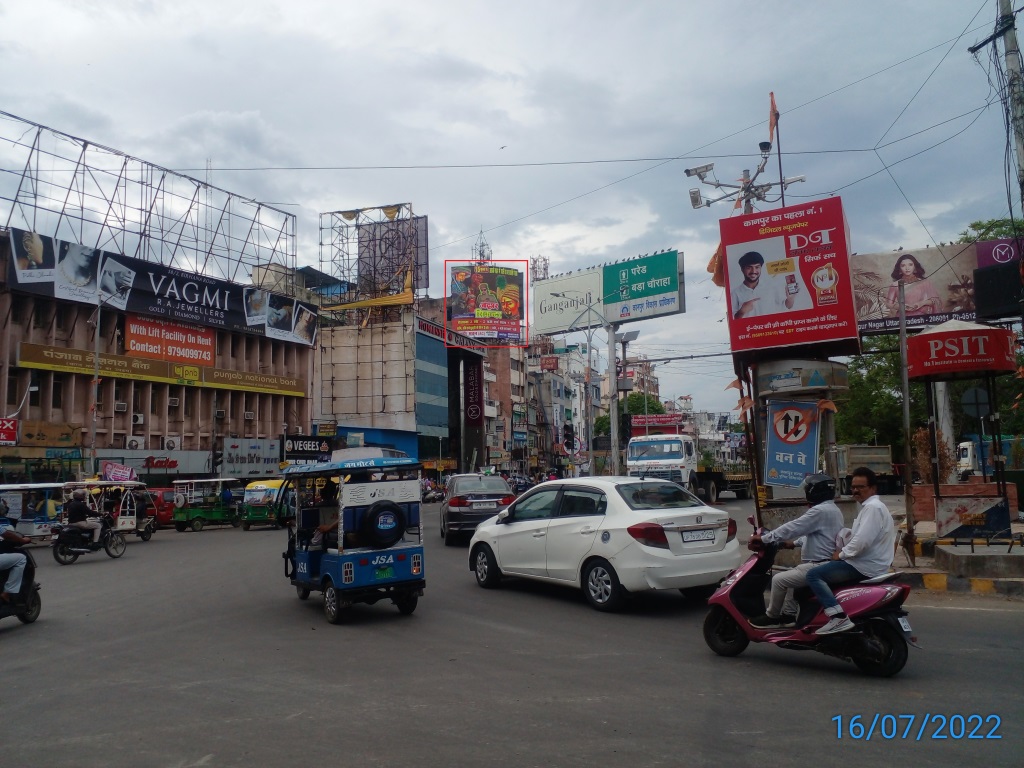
[181, 527]
[246, 525]
[302, 592]
[146, 533]
[35, 605]
[236, 521]
[406, 603]
[332, 603]
[383, 524]
[197, 524]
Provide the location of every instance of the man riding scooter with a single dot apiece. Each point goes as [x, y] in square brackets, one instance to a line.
[15, 561]
[816, 530]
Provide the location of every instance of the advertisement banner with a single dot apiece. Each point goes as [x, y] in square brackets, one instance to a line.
[639, 289]
[248, 458]
[791, 450]
[549, 362]
[577, 305]
[111, 470]
[124, 367]
[656, 419]
[474, 394]
[163, 340]
[49, 434]
[8, 431]
[938, 286]
[787, 277]
[960, 350]
[73, 272]
[486, 301]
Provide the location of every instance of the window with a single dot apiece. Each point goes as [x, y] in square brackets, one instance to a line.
[538, 506]
[656, 496]
[580, 503]
[61, 314]
[57, 396]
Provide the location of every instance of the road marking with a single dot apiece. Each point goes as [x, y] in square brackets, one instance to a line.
[917, 607]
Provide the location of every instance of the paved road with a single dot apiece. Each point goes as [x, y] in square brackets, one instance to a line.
[192, 650]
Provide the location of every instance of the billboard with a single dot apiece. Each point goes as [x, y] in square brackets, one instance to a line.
[163, 340]
[787, 277]
[486, 301]
[54, 268]
[559, 314]
[644, 287]
[385, 247]
[938, 285]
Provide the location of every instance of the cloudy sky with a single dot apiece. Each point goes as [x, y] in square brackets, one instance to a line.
[561, 129]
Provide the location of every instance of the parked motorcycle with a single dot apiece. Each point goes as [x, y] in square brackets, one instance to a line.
[877, 644]
[432, 496]
[69, 543]
[26, 605]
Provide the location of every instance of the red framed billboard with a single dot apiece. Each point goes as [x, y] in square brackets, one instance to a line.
[787, 277]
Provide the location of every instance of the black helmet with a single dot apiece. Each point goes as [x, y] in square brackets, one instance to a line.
[819, 488]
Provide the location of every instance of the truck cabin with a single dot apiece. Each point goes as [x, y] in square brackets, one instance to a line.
[661, 448]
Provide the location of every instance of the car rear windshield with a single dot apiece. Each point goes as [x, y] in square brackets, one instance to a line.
[656, 496]
[485, 484]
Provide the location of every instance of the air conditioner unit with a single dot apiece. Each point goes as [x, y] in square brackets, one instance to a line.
[172, 402]
[298, 431]
[120, 407]
[250, 415]
[171, 443]
[135, 444]
[138, 418]
[219, 414]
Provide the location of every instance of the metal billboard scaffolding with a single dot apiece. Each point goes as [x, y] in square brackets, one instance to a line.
[75, 190]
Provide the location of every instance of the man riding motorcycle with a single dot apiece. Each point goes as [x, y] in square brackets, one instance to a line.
[15, 561]
[79, 516]
[816, 531]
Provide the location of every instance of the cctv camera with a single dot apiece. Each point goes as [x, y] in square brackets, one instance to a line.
[700, 170]
[792, 180]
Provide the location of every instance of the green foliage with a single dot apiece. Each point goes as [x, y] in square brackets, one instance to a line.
[603, 425]
[992, 229]
[636, 403]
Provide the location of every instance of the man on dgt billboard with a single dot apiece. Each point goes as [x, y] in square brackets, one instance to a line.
[761, 295]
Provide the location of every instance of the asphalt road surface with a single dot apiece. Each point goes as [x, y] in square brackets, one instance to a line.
[193, 650]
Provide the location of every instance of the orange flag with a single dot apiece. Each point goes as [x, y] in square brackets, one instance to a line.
[773, 118]
[717, 267]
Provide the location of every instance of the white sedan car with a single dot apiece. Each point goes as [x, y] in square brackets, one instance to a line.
[609, 536]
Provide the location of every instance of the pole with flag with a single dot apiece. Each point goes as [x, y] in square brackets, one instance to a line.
[773, 128]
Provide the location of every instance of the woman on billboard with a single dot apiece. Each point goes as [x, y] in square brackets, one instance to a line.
[919, 294]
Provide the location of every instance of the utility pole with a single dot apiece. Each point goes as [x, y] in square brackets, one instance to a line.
[1015, 86]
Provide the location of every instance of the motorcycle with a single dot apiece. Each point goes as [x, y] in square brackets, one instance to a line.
[432, 496]
[26, 605]
[69, 543]
[877, 644]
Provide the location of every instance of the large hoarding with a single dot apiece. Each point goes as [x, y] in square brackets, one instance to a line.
[643, 288]
[577, 306]
[938, 285]
[486, 302]
[385, 247]
[64, 270]
[788, 277]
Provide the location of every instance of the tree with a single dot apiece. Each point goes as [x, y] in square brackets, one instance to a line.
[602, 424]
[992, 229]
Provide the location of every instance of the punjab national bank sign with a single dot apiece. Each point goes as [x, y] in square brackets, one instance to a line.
[788, 277]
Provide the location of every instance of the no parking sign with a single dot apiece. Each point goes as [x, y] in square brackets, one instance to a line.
[792, 447]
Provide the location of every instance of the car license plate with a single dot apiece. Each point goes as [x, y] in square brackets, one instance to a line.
[388, 572]
[905, 624]
[705, 535]
[485, 505]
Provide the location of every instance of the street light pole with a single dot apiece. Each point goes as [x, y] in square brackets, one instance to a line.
[100, 301]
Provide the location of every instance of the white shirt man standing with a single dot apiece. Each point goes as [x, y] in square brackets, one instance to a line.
[755, 297]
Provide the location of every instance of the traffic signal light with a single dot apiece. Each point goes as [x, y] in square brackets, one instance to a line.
[216, 458]
[569, 434]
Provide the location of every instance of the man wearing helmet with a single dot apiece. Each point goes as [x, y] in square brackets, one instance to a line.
[78, 516]
[815, 533]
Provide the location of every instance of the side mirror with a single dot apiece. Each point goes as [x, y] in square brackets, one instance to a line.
[503, 515]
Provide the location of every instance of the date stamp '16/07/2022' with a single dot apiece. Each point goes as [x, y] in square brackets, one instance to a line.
[917, 727]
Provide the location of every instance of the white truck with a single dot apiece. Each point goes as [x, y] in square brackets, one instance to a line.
[678, 458]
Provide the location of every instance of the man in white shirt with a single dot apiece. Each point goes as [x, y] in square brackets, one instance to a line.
[755, 297]
[867, 554]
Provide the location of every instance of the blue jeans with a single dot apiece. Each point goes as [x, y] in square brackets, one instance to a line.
[834, 572]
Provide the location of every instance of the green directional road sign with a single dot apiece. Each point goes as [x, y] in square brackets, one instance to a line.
[642, 288]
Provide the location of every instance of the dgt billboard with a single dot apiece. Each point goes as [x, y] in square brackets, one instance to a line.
[787, 277]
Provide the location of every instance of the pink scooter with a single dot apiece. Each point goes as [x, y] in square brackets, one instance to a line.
[877, 644]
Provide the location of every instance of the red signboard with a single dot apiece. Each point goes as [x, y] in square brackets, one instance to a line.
[8, 431]
[656, 419]
[960, 350]
[164, 340]
[549, 363]
[788, 277]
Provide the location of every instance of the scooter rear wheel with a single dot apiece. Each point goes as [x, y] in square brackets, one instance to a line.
[722, 634]
[35, 605]
[893, 654]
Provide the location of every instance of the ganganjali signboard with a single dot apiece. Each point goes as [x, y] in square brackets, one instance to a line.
[47, 267]
[788, 277]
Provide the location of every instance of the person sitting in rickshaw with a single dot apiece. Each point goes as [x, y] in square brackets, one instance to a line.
[141, 505]
[327, 532]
